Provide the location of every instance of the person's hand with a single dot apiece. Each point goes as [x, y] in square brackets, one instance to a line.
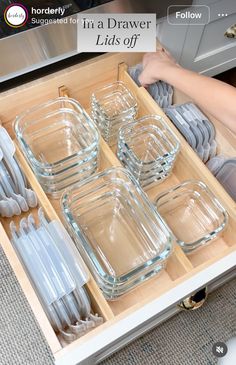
[155, 66]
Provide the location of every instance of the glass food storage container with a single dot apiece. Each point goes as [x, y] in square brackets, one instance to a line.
[120, 235]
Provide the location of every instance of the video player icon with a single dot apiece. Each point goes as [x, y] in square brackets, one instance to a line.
[219, 349]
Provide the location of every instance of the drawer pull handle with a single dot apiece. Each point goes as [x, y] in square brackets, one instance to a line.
[195, 301]
[231, 32]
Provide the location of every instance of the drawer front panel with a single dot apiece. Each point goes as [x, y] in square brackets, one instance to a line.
[155, 321]
[138, 322]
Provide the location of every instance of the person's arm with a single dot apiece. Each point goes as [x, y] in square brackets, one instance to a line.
[215, 96]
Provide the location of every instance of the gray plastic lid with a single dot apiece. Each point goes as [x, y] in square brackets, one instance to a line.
[206, 152]
[213, 149]
[182, 126]
[227, 176]
[215, 163]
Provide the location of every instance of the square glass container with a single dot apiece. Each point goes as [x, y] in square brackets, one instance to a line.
[148, 148]
[193, 213]
[111, 218]
[60, 142]
[52, 133]
[112, 106]
[114, 100]
[149, 140]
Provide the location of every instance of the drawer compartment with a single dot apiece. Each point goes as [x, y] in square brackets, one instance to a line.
[99, 304]
[183, 274]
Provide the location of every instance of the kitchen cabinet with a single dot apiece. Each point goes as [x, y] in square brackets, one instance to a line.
[203, 48]
[157, 299]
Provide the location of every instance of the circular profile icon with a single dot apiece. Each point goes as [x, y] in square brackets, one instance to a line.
[16, 15]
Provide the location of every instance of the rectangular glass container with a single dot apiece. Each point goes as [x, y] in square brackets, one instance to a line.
[112, 219]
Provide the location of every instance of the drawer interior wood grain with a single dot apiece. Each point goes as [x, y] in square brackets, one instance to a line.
[80, 81]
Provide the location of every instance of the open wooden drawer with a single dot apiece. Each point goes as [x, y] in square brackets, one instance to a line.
[156, 299]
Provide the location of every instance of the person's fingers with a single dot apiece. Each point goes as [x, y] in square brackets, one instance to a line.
[142, 79]
[148, 55]
[146, 58]
[144, 61]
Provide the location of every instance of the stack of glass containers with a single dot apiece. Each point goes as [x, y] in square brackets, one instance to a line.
[113, 106]
[120, 235]
[148, 148]
[60, 142]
